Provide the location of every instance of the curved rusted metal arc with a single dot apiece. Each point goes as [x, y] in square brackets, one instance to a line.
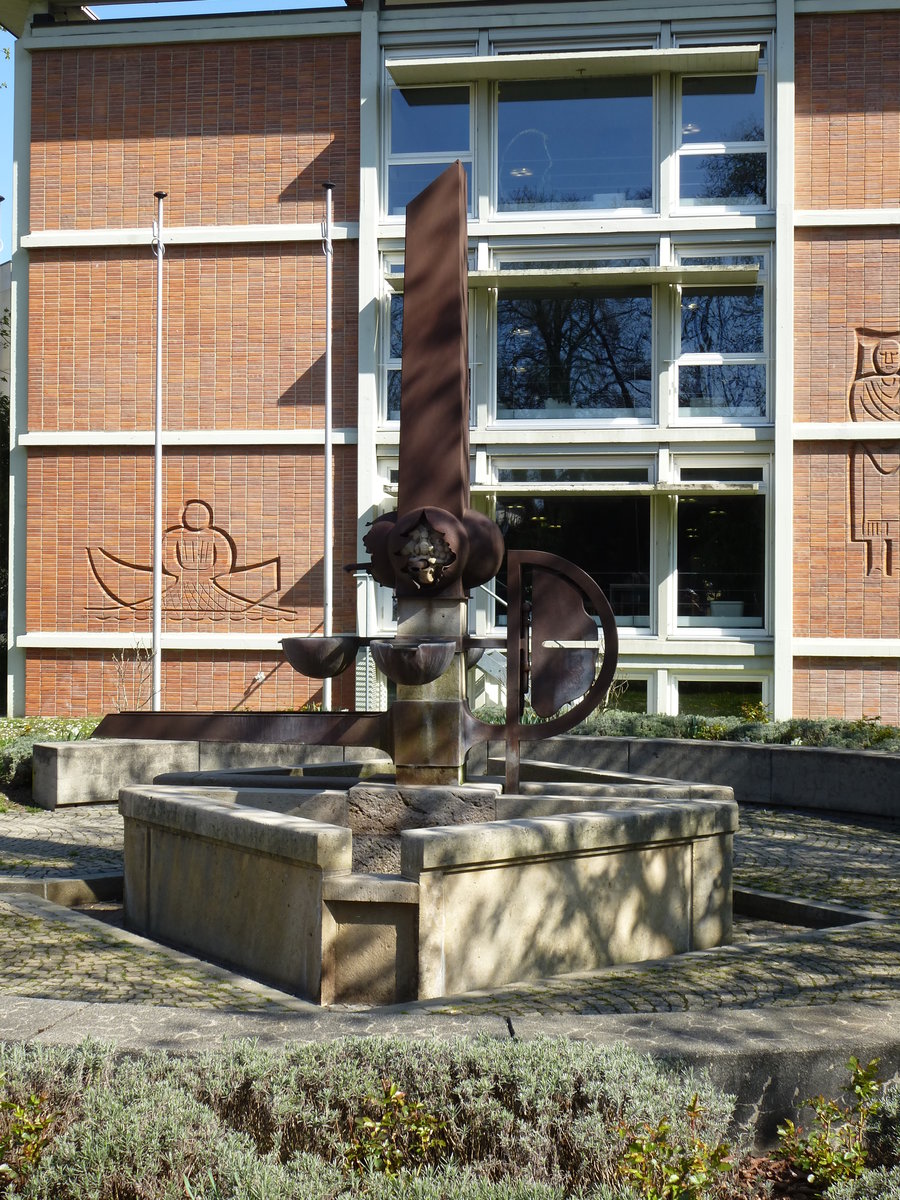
[592, 697]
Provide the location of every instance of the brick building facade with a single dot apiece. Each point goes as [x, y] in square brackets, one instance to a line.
[685, 331]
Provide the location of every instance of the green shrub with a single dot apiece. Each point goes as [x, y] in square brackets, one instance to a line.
[394, 1136]
[835, 1148]
[24, 1132]
[17, 738]
[455, 1183]
[247, 1122]
[663, 1168]
[754, 726]
[138, 1135]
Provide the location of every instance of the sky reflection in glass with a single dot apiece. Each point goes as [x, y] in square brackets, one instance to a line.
[583, 144]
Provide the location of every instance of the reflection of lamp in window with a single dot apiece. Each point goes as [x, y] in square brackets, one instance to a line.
[508, 517]
[534, 146]
[521, 331]
[690, 127]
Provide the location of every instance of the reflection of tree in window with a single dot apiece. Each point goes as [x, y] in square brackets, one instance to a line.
[728, 111]
[738, 388]
[729, 178]
[395, 349]
[722, 321]
[579, 354]
[722, 109]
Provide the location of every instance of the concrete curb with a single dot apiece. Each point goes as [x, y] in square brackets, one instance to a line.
[64, 891]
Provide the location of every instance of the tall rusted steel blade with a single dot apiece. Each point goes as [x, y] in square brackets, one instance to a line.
[434, 404]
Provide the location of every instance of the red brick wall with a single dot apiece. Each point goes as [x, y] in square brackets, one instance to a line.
[846, 279]
[833, 595]
[76, 682]
[850, 688]
[244, 338]
[269, 502]
[847, 110]
[236, 133]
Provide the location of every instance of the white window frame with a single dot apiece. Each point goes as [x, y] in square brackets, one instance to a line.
[725, 54]
[585, 489]
[710, 149]
[763, 254]
[717, 674]
[513, 216]
[709, 627]
[577, 254]
[438, 158]
[387, 365]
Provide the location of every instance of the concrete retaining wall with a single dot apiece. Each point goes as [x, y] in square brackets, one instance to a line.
[530, 898]
[476, 905]
[237, 884]
[93, 771]
[863, 782]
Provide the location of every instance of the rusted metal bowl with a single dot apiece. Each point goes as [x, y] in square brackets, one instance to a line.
[320, 657]
[473, 655]
[414, 662]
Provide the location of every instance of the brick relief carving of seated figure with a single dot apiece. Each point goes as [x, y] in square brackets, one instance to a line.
[200, 578]
[875, 466]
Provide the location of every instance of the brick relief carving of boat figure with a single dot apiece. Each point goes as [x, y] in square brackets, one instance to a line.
[875, 466]
[200, 578]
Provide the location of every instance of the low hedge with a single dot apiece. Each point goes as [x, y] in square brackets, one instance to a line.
[867, 733]
[482, 1119]
[17, 738]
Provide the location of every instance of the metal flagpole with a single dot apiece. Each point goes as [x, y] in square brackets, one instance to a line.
[328, 531]
[159, 250]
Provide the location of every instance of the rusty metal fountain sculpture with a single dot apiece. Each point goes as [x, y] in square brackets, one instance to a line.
[431, 551]
[470, 884]
[435, 547]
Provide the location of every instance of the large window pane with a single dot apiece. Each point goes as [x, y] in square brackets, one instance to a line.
[733, 180]
[721, 560]
[722, 321]
[406, 180]
[723, 108]
[607, 536]
[724, 698]
[430, 120]
[565, 357]
[628, 695]
[732, 390]
[580, 144]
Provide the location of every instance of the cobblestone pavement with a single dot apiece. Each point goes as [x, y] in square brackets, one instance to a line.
[824, 858]
[46, 951]
[69, 843]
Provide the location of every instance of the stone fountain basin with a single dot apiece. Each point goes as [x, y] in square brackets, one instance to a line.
[380, 894]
